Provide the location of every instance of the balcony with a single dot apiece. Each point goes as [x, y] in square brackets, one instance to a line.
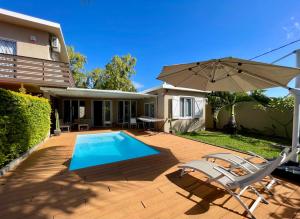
[20, 69]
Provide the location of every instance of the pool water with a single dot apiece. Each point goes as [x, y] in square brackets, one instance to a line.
[96, 149]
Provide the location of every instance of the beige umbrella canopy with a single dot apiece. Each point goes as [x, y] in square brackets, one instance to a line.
[228, 74]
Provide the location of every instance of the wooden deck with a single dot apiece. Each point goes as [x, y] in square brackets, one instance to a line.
[42, 187]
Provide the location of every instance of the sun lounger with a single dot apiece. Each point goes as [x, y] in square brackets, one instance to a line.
[246, 163]
[230, 181]
[236, 161]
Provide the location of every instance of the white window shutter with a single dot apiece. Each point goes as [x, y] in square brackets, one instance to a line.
[175, 107]
[199, 107]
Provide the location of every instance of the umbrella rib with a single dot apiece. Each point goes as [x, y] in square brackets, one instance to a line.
[227, 72]
[214, 71]
[271, 82]
[163, 76]
[202, 70]
[189, 77]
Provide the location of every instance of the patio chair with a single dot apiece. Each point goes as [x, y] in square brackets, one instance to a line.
[236, 161]
[64, 126]
[231, 181]
[133, 122]
[246, 163]
[82, 123]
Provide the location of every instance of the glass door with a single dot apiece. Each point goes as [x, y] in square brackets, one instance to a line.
[107, 113]
[133, 109]
[126, 111]
[149, 109]
[74, 107]
[98, 113]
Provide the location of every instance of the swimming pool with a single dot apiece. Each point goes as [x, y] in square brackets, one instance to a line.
[96, 149]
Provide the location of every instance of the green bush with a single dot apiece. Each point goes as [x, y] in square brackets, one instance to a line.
[24, 122]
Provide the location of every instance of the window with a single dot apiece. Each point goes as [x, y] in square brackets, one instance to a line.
[185, 107]
[7, 47]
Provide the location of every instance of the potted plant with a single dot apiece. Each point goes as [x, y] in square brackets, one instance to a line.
[57, 130]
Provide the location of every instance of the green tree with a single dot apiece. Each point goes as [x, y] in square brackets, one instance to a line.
[116, 75]
[219, 100]
[77, 66]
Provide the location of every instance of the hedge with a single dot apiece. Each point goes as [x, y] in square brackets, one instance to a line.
[24, 122]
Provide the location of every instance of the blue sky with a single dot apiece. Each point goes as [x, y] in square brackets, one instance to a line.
[162, 32]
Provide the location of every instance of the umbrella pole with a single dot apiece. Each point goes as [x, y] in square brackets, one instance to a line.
[296, 126]
[296, 93]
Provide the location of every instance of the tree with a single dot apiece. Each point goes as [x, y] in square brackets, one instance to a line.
[77, 66]
[219, 100]
[116, 75]
[216, 102]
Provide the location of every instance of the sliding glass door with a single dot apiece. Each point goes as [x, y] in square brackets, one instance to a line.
[126, 109]
[102, 113]
[73, 109]
[107, 111]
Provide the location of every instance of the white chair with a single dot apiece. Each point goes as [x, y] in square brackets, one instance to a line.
[133, 122]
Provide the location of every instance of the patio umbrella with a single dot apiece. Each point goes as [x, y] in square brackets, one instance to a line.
[228, 74]
[235, 75]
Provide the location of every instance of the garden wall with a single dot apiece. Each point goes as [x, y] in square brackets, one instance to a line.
[24, 122]
[257, 121]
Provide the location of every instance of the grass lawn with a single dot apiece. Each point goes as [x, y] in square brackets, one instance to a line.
[261, 145]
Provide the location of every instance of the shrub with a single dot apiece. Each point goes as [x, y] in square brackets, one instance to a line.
[24, 122]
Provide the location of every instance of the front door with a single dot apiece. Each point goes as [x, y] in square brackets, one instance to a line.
[98, 113]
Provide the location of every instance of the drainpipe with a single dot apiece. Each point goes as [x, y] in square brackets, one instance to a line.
[296, 93]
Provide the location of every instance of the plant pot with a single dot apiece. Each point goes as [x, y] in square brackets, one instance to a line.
[57, 132]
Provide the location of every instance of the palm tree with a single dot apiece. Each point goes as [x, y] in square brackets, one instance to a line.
[219, 100]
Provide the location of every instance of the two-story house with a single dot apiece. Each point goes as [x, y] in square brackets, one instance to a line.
[33, 55]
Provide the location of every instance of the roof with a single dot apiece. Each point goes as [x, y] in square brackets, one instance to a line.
[36, 23]
[171, 87]
[94, 93]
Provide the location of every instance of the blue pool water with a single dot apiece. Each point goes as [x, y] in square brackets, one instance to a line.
[104, 148]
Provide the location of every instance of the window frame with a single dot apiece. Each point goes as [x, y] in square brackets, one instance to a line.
[184, 107]
[13, 41]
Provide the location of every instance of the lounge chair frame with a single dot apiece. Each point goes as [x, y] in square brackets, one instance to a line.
[216, 173]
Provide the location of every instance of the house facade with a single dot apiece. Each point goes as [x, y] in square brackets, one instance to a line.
[33, 55]
[183, 109]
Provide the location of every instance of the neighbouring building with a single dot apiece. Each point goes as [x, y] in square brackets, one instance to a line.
[33, 56]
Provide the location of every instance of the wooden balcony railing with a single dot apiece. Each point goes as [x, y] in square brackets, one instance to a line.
[41, 72]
